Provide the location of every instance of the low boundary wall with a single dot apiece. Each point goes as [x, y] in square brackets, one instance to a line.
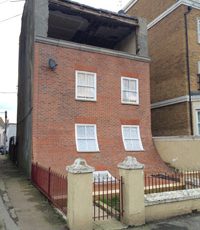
[179, 152]
[164, 205]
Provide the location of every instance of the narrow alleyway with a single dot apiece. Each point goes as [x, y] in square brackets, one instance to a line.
[22, 207]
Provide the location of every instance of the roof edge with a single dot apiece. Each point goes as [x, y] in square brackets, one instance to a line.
[129, 5]
[89, 48]
[165, 13]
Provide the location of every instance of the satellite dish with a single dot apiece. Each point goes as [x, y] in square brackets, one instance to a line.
[52, 64]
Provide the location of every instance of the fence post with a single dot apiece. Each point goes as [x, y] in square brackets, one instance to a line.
[49, 182]
[36, 180]
[133, 191]
[80, 185]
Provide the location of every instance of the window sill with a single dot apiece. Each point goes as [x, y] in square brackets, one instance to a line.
[89, 151]
[86, 100]
[142, 150]
[129, 103]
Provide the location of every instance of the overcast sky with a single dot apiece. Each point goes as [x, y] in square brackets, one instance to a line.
[10, 22]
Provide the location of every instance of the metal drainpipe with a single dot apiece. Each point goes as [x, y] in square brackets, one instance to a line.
[188, 68]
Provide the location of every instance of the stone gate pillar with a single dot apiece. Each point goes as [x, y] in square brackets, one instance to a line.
[79, 208]
[133, 191]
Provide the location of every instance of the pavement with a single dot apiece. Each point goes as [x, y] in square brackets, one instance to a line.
[186, 222]
[23, 207]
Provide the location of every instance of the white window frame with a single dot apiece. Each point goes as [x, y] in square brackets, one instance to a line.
[198, 67]
[95, 86]
[198, 30]
[137, 91]
[139, 137]
[96, 140]
[197, 122]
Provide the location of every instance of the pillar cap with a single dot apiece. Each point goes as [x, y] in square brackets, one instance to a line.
[80, 166]
[130, 163]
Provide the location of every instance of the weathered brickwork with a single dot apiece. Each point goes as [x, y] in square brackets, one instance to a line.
[168, 55]
[150, 9]
[194, 48]
[169, 74]
[55, 110]
[171, 120]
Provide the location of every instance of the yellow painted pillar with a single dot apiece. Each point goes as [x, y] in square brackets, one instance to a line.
[79, 208]
[133, 191]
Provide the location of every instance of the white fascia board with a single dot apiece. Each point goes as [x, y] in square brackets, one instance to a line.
[129, 5]
[173, 101]
[195, 98]
[191, 3]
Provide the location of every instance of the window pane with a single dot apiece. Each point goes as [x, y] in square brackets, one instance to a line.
[134, 133]
[199, 129]
[92, 145]
[90, 80]
[90, 132]
[125, 84]
[81, 131]
[81, 79]
[198, 115]
[129, 145]
[127, 133]
[84, 92]
[89, 92]
[82, 145]
[125, 96]
[132, 96]
[136, 145]
[132, 85]
[81, 91]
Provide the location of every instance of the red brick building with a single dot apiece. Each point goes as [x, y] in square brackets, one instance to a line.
[83, 88]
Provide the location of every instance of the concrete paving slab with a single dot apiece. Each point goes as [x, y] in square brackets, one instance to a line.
[110, 224]
[6, 222]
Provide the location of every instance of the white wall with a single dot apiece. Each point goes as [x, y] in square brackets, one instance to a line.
[1, 135]
[11, 131]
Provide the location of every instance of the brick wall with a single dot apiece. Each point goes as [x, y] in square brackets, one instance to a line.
[168, 55]
[169, 74]
[194, 47]
[150, 9]
[171, 120]
[55, 110]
